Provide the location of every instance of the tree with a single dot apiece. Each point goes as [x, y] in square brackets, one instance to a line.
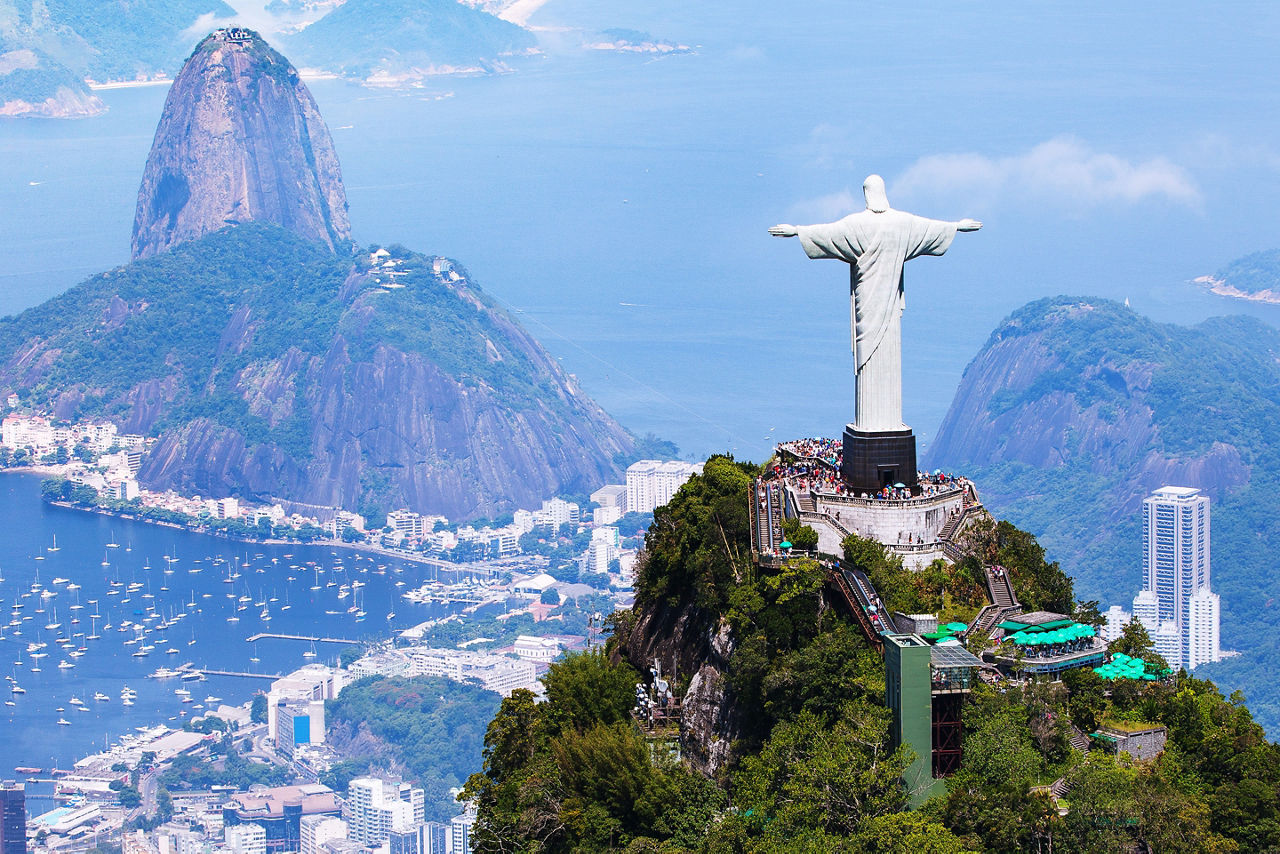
[805, 539]
[587, 689]
[906, 833]
[349, 655]
[831, 777]
[549, 597]
[164, 805]
[351, 535]
[258, 710]
[1135, 642]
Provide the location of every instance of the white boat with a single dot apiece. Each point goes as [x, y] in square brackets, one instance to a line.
[101, 697]
[192, 676]
[63, 722]
[76, 701]
[65, 665]
[182, 692]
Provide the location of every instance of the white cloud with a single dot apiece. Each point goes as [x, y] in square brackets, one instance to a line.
[827, 208]
[1062, 169]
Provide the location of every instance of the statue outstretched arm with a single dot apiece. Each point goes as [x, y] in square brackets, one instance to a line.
[964, 225]
[784, 231]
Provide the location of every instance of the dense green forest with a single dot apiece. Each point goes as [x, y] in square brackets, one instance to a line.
[812, 770]
[427, 729]
[1209, 392]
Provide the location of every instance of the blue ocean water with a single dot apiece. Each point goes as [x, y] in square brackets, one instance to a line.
[618, 203]
[165, 572]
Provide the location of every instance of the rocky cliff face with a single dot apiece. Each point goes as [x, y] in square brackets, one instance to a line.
[1065, 385]
[686, 647]
[1077, 408]
[273, 370]
[240, 140]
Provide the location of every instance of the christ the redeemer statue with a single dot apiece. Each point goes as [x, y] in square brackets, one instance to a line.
[876, 243]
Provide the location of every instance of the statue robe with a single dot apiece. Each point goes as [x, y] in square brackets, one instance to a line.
[876, 245]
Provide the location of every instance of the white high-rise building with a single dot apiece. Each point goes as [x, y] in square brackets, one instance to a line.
[652, 483]
[376, 810]
[250, 838]
[1114, 622]
[1203, 642]
[1175, 562]
[316, 830]
[1146, 610]
[460, 832]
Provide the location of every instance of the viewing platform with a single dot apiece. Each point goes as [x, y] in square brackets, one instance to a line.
[919, 524]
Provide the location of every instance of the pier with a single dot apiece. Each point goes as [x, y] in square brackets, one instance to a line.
[272, 636]
[187, 668]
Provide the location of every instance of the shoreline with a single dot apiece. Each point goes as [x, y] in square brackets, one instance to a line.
[1222, 289]
[335, 544]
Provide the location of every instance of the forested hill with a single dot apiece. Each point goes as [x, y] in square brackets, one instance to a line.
[784, 742]
[1254, 274]
[1076, 408]
[272, 369]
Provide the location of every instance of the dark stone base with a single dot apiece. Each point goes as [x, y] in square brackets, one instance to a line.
[876, 460]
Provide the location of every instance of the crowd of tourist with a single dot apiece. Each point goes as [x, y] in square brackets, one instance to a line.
[813, 465]
[829, 451]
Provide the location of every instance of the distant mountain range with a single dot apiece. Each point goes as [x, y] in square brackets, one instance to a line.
[407, 39]
[1077, 407]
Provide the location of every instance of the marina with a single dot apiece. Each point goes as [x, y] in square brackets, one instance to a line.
[135, 610]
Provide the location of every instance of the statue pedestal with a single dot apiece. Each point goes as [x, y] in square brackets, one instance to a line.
[876, 460]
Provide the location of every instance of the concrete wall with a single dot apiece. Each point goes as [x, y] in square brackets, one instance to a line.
[890, 522]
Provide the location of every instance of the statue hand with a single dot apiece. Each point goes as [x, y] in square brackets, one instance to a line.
[784, 231]
[968, 225]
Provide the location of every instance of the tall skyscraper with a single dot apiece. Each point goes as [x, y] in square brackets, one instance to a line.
[1177, 607]
[13, 818]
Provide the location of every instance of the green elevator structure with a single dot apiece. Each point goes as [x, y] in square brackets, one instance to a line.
[925, 688]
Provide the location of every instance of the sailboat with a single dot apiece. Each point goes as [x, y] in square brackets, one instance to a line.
[311, 653]
[54, 547]
[113, 544]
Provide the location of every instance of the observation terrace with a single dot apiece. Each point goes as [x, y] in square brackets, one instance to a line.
[919, 525]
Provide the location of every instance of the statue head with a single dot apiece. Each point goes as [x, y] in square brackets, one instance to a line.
[873, 189]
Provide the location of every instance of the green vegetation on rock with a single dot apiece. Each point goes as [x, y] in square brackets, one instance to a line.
[272, 368]
[1123, 405]
[809, 765]
[361, 37]
[428, 729]
[1259, 271]
[109, 39]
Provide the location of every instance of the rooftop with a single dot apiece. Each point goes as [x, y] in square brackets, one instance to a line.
[314, 798]
[1176, 492]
